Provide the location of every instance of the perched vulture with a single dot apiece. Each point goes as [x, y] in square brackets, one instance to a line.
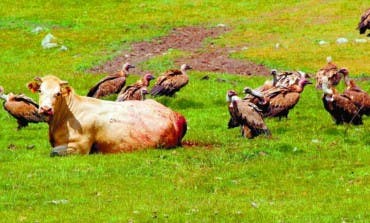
[359, 97]
[364, 22]
[331, 71]
[22, 108]
[232, 122]
[136, 91]
[247, 115]
[111, 84]
[171, 81]
[282, 99]
[283, 79]
[339, 106]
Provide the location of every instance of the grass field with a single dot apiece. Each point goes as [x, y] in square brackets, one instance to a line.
[311, 170]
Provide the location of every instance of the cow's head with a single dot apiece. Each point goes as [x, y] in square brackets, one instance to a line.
[51, 90]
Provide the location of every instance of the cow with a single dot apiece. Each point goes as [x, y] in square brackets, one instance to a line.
[83, 125]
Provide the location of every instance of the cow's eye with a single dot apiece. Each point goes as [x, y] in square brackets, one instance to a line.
[57, 94]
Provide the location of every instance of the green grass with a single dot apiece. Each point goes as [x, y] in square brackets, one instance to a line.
[309, 171]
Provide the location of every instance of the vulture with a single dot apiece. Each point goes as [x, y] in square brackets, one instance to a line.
[364, 23]
[340, 106]
[136, 91]
[171, 81]
[247, 115]
[359, 97]
[283, 79]
[22, 108]
[111, 84]
[280, 100]
[330, 70]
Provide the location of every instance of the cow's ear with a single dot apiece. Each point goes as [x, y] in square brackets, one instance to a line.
[65, 89]
[34, 86]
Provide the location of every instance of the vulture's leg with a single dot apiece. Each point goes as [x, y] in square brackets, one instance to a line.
[246, 132]
[21, 124]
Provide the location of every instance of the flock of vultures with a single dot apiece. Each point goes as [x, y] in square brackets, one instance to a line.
[275, 98]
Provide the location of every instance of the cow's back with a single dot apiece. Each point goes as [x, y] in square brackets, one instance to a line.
[132, 125]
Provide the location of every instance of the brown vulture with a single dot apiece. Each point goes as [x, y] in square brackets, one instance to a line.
[282, 99]
[171, 81]
[22, 108]
[111, 84]
[364, 23]
[247, 115]
[283, 79]
[359, 97]
[340, 106]
[136, 91]
[330, 70]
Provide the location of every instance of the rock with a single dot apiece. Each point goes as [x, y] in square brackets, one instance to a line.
[49, 41]
[342, 40]
[37, 30]
[322, 42]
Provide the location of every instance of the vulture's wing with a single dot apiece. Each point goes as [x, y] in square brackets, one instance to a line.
[250, 115]
[130, 92]
[169, 85]
[364, 21]
[282, 102]
[96, 86]
[172, 72]
[347, 109]
[25, 99]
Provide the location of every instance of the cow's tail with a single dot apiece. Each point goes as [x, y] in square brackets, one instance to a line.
[181, 127]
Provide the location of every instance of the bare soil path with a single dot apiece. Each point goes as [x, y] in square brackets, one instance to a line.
[202, 56]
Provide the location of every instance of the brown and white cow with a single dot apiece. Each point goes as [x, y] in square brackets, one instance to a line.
[82, 125]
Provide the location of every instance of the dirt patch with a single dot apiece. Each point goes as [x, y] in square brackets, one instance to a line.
[190, 144]
[203, 56]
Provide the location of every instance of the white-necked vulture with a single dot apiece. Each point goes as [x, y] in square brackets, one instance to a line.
[330, 70]
[247, 115]
[340, 107]
[22, 108]
[111, 84]
[359, 97]
[171, 81]
[282, 99]
[136, 91]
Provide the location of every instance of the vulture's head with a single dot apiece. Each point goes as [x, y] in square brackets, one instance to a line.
[273, 72]
[185, 67]
[127, 66]
[344, 71]
[149, 77]
[230, 94]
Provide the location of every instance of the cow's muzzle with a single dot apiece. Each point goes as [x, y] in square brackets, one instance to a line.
[45, 110]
